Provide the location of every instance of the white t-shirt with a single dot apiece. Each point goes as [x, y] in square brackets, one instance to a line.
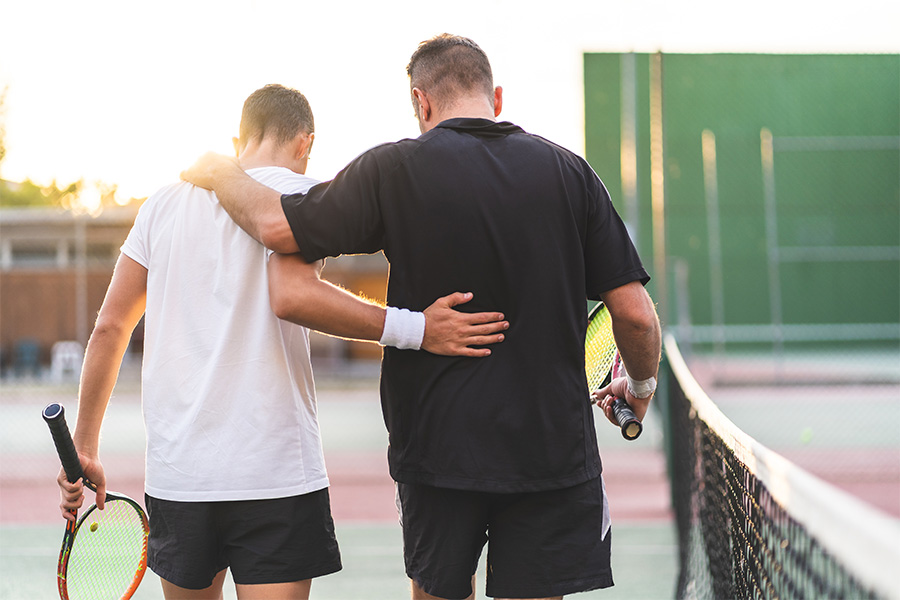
[228, 395]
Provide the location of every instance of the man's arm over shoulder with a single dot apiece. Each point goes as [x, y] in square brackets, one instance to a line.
[253, 206]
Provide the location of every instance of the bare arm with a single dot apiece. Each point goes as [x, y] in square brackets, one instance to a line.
[253, 206]
[122, 309]
[298, 294]
[638, 337]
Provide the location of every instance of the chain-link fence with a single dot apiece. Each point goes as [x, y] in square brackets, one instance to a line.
[763, 192]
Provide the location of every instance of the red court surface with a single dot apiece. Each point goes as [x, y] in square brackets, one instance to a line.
[361, 489]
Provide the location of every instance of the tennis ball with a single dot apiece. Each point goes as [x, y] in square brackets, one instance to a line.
[806, 435]
[94, 526]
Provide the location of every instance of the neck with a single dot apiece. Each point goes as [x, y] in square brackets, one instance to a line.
[253, 161]
[476, 107]
[269, 154]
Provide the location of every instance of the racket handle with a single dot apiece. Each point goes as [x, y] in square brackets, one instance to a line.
[628, 421]
[55, 416]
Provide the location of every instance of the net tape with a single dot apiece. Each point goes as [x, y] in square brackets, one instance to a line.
[753, 525]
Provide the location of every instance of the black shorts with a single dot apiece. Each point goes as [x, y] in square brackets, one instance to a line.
[262, 541]
[539, 543]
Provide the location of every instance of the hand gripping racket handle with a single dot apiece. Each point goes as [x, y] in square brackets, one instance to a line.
[628, 421]
[55, 415]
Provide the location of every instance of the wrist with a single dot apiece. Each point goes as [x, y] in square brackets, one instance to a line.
[403, 329]
[641, 388]
[86, 443]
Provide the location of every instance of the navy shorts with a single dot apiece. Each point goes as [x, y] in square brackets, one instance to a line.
[262, 541]
[540, 544]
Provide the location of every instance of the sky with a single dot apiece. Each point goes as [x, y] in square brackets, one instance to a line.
[132, 93]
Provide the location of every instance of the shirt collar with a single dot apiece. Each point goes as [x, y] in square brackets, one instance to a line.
[484, 126]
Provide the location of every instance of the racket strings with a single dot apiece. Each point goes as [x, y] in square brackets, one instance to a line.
[599, 349]
[109, 550]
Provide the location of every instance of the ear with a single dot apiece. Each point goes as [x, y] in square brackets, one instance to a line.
[305, 148]
[237, 146]
[299, 147]
[422, 104]
[498, 100]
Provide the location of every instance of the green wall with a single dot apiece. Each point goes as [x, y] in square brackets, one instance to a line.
[836, 126]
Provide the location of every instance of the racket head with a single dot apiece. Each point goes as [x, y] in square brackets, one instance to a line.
[602, 363]
[599, 347]
[106, 554]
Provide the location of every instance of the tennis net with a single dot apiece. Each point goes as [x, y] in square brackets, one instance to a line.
[753, 525]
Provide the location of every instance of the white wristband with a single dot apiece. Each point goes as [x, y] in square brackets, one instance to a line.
[403, 329]
[641, 389]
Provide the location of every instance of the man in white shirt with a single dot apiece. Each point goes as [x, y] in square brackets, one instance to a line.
[235, 473]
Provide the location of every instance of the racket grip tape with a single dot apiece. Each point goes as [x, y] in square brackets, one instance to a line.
[628, 422]
[55, 416]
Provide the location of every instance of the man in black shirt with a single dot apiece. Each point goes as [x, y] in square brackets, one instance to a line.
[503, 446]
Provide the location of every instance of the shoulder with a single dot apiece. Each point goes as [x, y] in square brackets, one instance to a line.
[394, 150]
[576, 165]
[562, 152]
[382, 158]
[172, 194]
[283, 180]
[175, 192]
[170, 201]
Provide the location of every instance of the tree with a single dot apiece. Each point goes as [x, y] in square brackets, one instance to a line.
[65, 196]
[3, 126]
[28, 193]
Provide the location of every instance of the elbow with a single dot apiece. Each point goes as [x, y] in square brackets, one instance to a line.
[639, 319]
[293, 308]
[292, 288]
[279, 302]
[288, 300]
[647, 325]
[276, 235]
[643, 328]
[110, 329]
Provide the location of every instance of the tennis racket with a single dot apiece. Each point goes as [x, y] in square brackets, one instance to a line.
[602, 364]
[104, 553]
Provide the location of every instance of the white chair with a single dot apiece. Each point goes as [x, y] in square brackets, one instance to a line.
[65, 361]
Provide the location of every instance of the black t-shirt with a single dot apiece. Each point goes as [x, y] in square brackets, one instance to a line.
[528, 227]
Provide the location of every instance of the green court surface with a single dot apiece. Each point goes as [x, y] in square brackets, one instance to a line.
[821, 427]
[644, 551]
[644, 564]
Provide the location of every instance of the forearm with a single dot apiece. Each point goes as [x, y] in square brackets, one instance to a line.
[639, 346]
[335, 311]
[102, 360]
[298, 295]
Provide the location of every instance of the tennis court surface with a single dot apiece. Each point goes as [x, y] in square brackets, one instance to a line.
[362, 493]
[739, 537]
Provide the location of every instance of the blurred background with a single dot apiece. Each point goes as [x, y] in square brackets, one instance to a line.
[753, 152]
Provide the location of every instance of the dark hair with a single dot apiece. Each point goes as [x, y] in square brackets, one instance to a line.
[449, 65]
[275, 110]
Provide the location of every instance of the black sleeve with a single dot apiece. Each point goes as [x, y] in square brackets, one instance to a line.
[610, 258]
[341, 216]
